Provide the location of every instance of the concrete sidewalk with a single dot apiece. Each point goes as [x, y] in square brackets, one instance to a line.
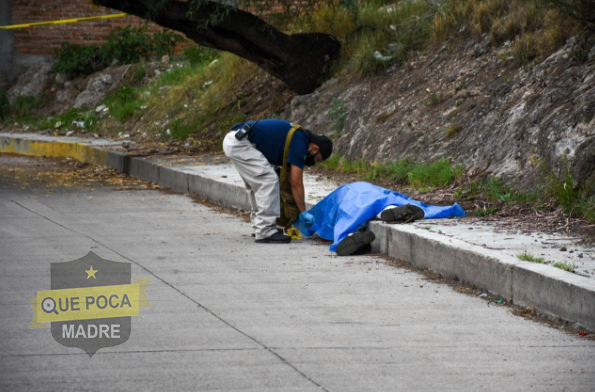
[466, 249]
[229, 315]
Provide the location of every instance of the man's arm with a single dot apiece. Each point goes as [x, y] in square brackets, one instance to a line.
[297, 187]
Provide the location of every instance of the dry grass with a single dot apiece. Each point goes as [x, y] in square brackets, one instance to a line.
[204, 96]
[368, 30]
[331, 19]
[534, 30]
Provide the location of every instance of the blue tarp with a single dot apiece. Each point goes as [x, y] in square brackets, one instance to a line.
[350, 206]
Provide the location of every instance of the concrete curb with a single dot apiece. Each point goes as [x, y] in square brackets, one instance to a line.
[556, 293]
[553, 292]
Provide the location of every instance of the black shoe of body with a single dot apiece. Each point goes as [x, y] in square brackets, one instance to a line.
[407, 213]
[355, 242]
[277, 238]
[366, 249]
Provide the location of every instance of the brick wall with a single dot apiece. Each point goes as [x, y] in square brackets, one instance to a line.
[47, 39]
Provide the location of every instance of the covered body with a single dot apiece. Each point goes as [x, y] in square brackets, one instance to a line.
[349, 207]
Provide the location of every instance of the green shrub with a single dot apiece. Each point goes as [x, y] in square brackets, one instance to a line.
[139, 73]
[586, 208]
[88, 119]
[123, 103]
[495, 190]
[197, 55]
[405, 171]
[129, 44]
[397, 170]
[339, 114]
[165, 41]
[175, 77]
[24, 105]
[363, 60]
[560, 187]
[482, 212]
[393, 31]
[412, 25]
[332, 163]
[64, 120]
[577, 201]
[439, 173]
[76, 60]
[179, 130]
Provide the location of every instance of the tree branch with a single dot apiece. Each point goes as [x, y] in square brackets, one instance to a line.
[302, 61]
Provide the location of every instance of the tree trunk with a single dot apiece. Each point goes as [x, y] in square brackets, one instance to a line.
[302, 61]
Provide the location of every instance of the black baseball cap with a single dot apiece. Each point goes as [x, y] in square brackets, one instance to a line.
[324, 143]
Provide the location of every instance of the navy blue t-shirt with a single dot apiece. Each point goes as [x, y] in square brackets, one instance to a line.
[269, 138]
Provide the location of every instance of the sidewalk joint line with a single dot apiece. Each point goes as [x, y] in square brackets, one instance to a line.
[282, 359]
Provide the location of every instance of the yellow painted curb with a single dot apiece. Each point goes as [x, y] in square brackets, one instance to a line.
[55, 149]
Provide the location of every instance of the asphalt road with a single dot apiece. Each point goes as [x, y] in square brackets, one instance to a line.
[228, 314]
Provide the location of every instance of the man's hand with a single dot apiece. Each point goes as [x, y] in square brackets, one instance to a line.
[307, 218]
[297, 187]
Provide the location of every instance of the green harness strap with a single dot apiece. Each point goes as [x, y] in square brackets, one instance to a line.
[289, 210]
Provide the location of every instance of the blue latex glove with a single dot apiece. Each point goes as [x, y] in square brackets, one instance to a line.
[307, 218]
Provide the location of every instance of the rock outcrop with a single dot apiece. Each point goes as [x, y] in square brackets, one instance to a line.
[472, 104]
[96, 90]
[32, 81]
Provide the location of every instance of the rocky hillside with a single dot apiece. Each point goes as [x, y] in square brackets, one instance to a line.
[471, 103]
[466, 101]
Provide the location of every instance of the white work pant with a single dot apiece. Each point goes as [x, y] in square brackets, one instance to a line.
[261, 183]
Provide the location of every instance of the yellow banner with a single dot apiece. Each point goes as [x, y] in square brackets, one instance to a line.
[62, 21]
[87, 303]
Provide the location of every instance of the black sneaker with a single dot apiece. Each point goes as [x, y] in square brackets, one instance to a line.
[355, 242]
[254, 235]
[407, 213]
[277, 238]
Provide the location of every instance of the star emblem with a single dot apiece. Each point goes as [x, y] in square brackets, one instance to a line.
[91, 272]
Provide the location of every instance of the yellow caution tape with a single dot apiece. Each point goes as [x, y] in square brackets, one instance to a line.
[63, 21]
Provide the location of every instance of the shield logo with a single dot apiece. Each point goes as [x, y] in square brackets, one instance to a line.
[89, 271]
